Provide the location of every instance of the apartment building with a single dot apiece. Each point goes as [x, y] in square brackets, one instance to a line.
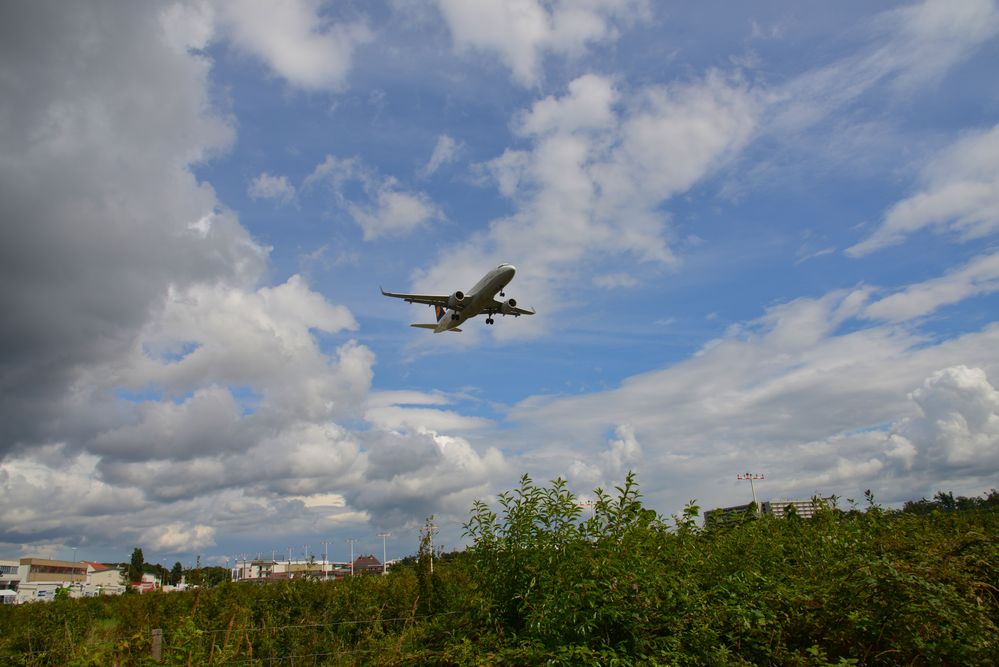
[805, 509]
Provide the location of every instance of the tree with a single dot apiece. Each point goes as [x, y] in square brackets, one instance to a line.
[425, 566]
[176, 574]
[136, 565]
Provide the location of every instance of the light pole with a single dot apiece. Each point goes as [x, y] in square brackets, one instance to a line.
[431, 527]
[751, 477]
[351, 542]
[383, 536]
[326, 544]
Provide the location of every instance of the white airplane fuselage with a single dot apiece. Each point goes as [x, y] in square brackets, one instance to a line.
[478, 298]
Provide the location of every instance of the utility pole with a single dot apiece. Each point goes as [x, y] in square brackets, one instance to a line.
[383, 536]
[432, 529]
[351, 542]
[326, 545]
[751, 477]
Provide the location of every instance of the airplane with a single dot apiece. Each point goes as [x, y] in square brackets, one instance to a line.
[454, 309]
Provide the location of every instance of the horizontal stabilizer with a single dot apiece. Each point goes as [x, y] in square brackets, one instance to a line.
[431, 326]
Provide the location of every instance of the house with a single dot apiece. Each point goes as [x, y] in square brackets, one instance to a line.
[103, 580]
[367, 565]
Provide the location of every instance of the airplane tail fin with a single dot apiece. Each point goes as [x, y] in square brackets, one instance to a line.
[441, 311]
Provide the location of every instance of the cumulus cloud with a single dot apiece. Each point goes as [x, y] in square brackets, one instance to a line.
[958, 424]
[293, 39]
[103, 213]
[598, 166]
[521, 33]
[802, 395]
[960, 196]
[609, 466]
[155, 391]
[411, 476]
[179, 537]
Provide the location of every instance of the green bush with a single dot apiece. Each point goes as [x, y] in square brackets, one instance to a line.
[543, 584]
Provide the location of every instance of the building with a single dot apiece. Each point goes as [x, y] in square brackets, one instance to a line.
[9, 580]
[367, 565]
[805, 509]
[40, 578]
[264, 571]
[103, 580]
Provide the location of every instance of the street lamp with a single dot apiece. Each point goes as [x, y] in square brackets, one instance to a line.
[383, 536]
[751, 478]
[351, 542]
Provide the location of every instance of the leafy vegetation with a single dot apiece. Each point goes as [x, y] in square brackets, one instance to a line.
[545, 582]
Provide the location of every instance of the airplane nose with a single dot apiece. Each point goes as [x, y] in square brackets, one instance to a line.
[511, 269]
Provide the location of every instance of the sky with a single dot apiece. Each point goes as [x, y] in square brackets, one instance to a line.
[760, 237]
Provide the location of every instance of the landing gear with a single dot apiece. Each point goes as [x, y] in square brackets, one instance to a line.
[490, 320]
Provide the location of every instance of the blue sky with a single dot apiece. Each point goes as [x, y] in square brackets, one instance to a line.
[759, 236]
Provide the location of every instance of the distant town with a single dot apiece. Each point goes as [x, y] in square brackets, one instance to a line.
[43, 579]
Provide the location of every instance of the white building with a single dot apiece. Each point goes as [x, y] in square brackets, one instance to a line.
[40, 578]
[262, 570]
[9, 580]
[104, 580]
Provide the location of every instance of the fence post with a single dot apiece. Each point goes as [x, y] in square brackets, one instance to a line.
[157, 644]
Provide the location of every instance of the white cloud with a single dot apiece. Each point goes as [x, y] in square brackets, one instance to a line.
[793, 396]
[960, 196]
[588, 105]
[178, 537]
[600, 164]
[393, 212]
[910, 47]
[395, 411]
[188, 25]
[294, 39]
[266, 186]
[103, 211]
[979, 276]
[411, 476]
[615, 280]
[521, 32]
[386, 209]
[959, 422]
[445, 151]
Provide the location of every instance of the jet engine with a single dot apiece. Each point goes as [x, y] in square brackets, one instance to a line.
[508, 307]
[456, 300]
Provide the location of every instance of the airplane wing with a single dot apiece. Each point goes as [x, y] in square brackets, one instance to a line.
[429, 299]
[516, 311]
